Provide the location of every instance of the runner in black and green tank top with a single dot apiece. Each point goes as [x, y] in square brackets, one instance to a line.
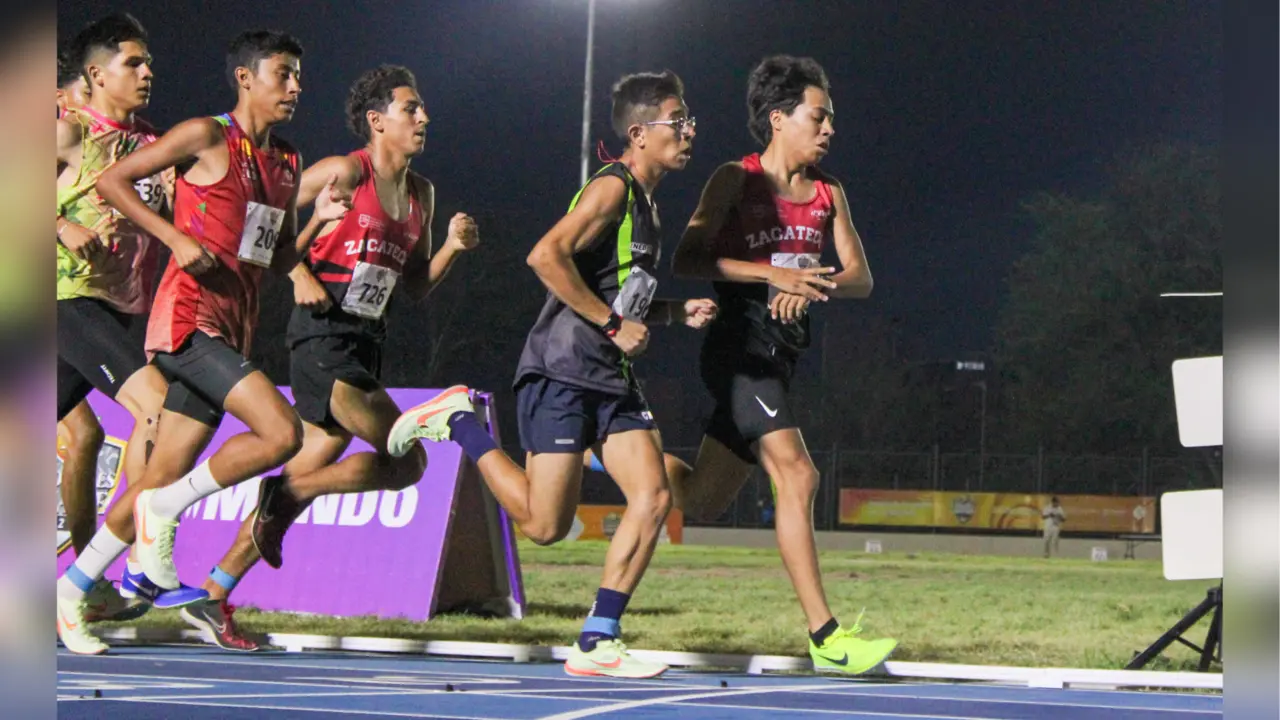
[618, 267]
[575, 386]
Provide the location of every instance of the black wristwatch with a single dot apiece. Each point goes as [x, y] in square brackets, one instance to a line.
[612, 325]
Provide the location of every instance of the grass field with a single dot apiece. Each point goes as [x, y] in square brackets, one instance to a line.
[942, 608]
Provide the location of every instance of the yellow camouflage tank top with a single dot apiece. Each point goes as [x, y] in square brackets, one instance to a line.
[132, 268]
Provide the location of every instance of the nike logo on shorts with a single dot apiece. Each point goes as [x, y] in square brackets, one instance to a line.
[767, 410]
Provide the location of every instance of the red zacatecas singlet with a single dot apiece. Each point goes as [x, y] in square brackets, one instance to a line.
[360, 262]
[766, 229]
[238, 219]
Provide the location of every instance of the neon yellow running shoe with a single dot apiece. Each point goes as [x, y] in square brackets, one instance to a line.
[610, 659]
[845, 652]
[429, 420]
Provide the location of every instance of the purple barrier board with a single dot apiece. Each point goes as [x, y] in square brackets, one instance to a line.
[375, 553]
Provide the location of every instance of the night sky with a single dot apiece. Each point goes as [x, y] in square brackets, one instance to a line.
[948, 114]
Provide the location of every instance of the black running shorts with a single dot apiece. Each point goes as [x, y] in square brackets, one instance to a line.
[317, 362]
[95, 350]
[201, 373]
[750, 392]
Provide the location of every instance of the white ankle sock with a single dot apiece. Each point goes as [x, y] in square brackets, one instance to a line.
[169, 502]
[102, 550]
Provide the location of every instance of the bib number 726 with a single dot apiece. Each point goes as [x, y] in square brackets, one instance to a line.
[371, 294]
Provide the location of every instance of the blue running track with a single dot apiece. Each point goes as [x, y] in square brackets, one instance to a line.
[194, 683]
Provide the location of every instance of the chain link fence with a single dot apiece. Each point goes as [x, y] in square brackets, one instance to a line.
[1141, 475]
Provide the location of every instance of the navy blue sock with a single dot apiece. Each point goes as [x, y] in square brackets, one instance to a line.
[466, 430]
[603, 620]
[820, 635]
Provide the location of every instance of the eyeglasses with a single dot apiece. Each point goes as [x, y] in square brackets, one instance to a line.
[680, 124]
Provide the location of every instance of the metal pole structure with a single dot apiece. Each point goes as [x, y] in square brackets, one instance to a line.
[586, 92]
[982, 439]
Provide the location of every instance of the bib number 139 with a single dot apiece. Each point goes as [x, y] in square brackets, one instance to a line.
[261, 232]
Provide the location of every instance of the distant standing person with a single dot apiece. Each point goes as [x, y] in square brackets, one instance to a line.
[1054, 516]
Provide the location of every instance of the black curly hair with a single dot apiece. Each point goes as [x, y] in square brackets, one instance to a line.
[778, 83]
[374, 90]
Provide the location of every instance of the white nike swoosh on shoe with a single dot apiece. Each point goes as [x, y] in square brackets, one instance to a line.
[767, 410]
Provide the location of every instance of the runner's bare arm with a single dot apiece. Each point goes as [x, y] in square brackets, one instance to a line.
[68, 142]
[286, 253]
[697, 257]
[417, 270]
[187, 141]
[308, 291]
[695, 313]
[81, 241]
[600, 204]
[426, 269]
[854, 279]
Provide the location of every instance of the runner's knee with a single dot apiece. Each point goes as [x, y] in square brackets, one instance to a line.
[548, 531]
[283, 438]
[83, 433]
[544, 534]
[798, 480]
[406, 470]
[651, 506]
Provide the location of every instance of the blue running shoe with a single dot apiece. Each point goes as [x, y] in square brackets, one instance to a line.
[138, 585]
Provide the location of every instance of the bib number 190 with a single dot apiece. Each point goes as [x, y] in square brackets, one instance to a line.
[635, 295]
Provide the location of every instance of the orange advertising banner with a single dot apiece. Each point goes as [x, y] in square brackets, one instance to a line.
[994, 511]
[599, 522]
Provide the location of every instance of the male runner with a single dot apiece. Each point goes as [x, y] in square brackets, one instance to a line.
[80, 436]
[235, 215]
[758, 233]
[73, 88]
[575, 385]
[336, 331]
[105, 268]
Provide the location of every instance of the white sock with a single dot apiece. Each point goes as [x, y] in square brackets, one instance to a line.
[102, 550]
[169, 502]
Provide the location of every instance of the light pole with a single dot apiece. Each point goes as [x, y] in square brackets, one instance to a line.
[981, 367]
[586, 92]
[982, 437]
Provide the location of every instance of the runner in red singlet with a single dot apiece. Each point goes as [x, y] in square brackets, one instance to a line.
[341, 291]
[235, 215]
[759, 233]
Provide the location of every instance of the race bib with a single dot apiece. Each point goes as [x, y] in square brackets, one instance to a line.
[793, 260]
[261, 231]
[369, 291]
[635, 295]
[151, 190]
